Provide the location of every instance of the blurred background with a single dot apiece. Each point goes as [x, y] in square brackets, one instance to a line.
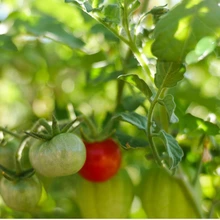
[53, 57]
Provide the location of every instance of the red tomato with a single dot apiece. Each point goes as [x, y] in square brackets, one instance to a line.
[103, 161]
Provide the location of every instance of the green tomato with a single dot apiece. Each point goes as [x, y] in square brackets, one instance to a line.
[63, 155]
[8, 154]
[21, 194]
[164, 196]
[108, 199]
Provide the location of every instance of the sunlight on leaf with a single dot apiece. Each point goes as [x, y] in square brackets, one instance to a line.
[204, 47]
[183, 29]
[193, 3]
[178, 32]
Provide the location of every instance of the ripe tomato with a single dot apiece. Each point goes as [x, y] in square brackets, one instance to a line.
[63, 155]
[164, 196]
[109, 199]
[21, 194]
[103, 160]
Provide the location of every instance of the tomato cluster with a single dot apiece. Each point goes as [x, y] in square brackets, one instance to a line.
[57, 153]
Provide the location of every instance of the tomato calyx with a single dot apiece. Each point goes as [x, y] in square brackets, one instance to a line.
[13, 175]
[50, 131]
[90, 133]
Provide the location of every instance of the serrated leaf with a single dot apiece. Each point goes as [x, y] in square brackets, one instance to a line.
[112, 13]
[174, 151]
[139, 83]
[168, 74]
[133, 118]
[130, 142]
[178, 32]
[169, 104]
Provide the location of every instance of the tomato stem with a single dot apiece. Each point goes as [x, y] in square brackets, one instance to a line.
[203, 141]
[10, 132]
[19, 154]
[149, 127]
[45, 124]
[91, 126]
[55, 126]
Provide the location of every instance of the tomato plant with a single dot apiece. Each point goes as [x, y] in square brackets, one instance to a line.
[21, 194]
[103, 160]
[143, 73]
[108, 199]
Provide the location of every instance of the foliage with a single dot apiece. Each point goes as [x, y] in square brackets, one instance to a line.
[142, 73]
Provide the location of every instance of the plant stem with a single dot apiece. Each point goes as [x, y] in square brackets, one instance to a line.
[9, 132]
[149, 126]
[163, 115]
[19, 155]
[139, 56]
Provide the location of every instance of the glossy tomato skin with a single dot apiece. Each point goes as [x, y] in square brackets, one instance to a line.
[109, 199]
[63, 155]
[164, 196]
[22, 194]
[103, 160]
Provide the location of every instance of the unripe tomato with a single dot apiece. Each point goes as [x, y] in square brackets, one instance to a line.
[109, 199]
[164, 196]
[8, 154]
[103, 160]
[63, 155]
[22, 194]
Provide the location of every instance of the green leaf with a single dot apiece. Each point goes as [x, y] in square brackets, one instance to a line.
[6, 44]
[112, 13]
[133, 6]
[168, 74]
[169, 104]
[130, 103]
[203, 48]
[174, 151]
[128, 142]
[51, 28]
[88, 6]
[134, 80]
[190, 123]
[133, 118]
[178, 32]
